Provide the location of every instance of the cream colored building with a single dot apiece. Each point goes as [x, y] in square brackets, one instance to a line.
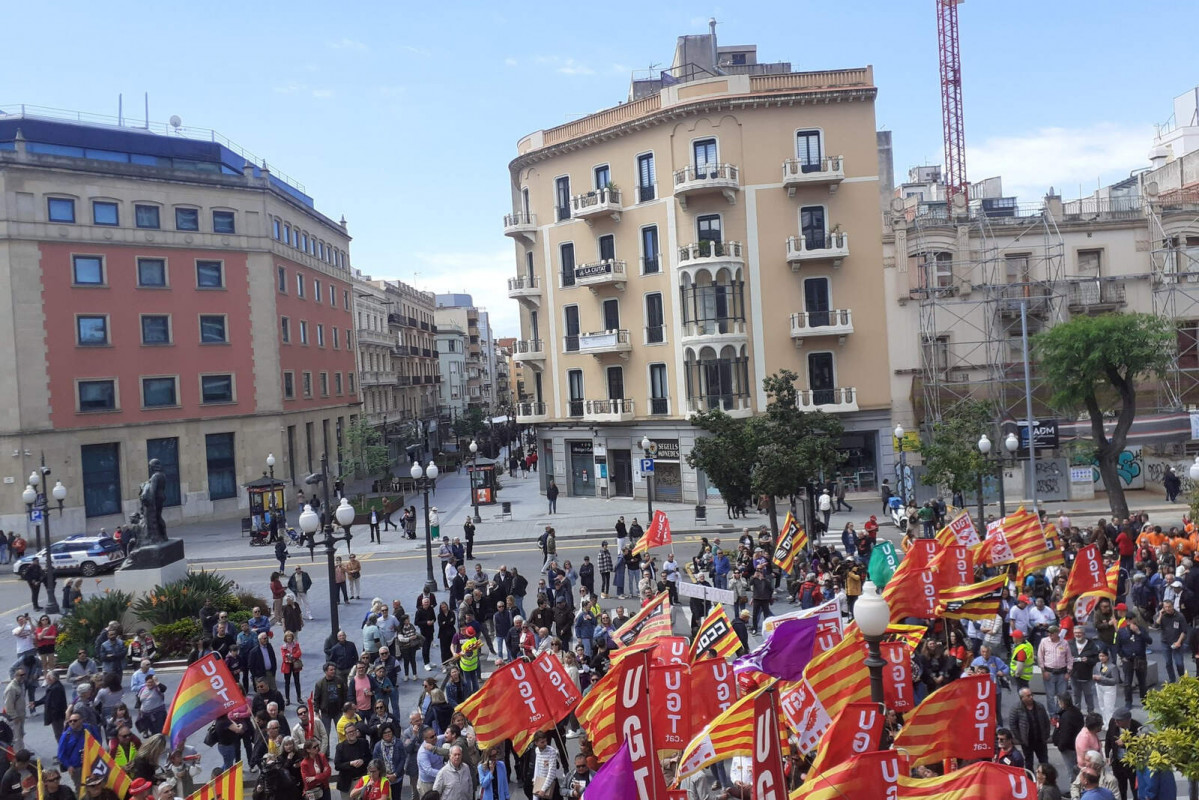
[674, 250]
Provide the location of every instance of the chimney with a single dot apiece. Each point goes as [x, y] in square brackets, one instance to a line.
[712, 34]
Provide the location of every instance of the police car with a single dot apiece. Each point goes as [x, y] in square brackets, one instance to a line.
[87, 555]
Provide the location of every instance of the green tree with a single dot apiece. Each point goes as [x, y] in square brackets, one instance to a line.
[1173, 715]
[369, 449]
[775, 454]
[951, 456]
[471, 424]
[1093, 364]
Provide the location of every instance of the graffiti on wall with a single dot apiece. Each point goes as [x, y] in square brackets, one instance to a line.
[1155, 472]
[1053, 479]
[1130, 466]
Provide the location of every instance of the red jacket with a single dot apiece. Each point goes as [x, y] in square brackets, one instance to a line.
[315, 772]
[1125, 544]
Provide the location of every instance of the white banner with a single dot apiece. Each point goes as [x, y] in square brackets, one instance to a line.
[709, 593]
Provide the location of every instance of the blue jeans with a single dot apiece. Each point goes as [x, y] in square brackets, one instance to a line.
[228, 755]
[721, 581]
[471, 679]
[1175, 666]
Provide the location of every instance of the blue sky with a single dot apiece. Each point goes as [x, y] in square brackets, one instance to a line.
[403, 117]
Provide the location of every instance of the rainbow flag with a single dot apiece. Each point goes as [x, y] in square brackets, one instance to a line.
[207, 692]
[97, 761]
[226, 786]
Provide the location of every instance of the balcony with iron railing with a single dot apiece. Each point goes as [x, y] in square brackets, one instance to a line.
[526, 288]
[817, 247]
[403, 380]
[838, 400]
[735, 405]
[598, 343]
[810, 324]
[399, 320]
[521, 223]
[1036, 297]
[529, 350]
[828, 171]
[1094, 297]
[702, 179]
[612, 410]
[711, 254]
[598, 203]
[609, 272]
[381, 338]
[531, 413]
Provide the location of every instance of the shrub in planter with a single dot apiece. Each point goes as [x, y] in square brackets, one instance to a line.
[247, 601]
[184, 598]
[81, 627]
[176, 639]
[238, 617]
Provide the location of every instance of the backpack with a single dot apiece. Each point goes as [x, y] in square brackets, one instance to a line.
[806, 598]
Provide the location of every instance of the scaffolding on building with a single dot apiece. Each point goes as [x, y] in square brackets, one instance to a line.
[1173, 220]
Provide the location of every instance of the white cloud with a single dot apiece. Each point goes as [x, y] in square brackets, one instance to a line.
[345, 43]
[510, 62]
[416, 51]
[392, 91]
[482, 274]
[1071, 160]
[322, 94]
[571, 67]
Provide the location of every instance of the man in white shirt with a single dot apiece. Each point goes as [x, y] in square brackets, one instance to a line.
[826, 507]
[546, 770]
[1018, 616]
[670, 569]
[23, 633]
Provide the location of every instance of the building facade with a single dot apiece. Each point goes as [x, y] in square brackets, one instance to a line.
[675, 250]
[167, 299]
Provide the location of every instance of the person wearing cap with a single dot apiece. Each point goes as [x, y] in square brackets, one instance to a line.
[1132, 647]
[1115, 746]
[1020, 664]
[1175, 632]
[1055, 660]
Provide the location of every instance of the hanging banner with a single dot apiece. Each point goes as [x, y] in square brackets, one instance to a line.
[672, 722]
[770, 783]
[634, 725]
[897, 676]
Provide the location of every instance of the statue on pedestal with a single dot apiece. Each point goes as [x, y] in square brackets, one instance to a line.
[153, 496]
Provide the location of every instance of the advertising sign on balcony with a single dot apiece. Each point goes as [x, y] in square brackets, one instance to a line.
[592, 270]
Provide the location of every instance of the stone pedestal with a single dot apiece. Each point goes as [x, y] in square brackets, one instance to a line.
[150, 566]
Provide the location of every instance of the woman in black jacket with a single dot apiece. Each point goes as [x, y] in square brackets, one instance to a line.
[425, 620]
[55, 701]
[445, 630]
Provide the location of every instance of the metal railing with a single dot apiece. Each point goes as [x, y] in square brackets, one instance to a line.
[841, 396]
[530, 346]
[828, 165]
[838, 317]
[708, 249]
[608, 196]
[817, 243]
[530, 409]
[1086, 294]
[707, 172]
[522, 283]
[520, 219]
[603, 340]
[620, 405]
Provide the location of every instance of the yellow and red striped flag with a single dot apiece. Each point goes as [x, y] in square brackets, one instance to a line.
[1024, 533]
[983, 780]
[960, 530]
[857, 729]
[730, 734]
[490, 709]
[874, 774]
[912, 590]
[789, 541]
[652, 621]
[596, 712]
[977, 601]
[1086, 575]
[657, 535]
[1050, 556]
[226, 786]
[839, 676]
[715, 633]
[955, 721]
[97, 761]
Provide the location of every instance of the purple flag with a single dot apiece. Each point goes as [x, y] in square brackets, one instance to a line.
[615, 779]
[785, 653]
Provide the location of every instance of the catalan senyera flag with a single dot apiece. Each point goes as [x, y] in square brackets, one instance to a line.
[983, 780]
[1050, 556]
[955, 721]
[97, 761]
[206, 692]
[1024, 534]
[855, 730]
[491, 709]
[960, 530]
[1086, 575]
[730, 734]
[839, 675]
[656, 535]
[556, 692]
[912, 590]
[1113, 583]
[715, 633]
[652, 621]
[596, 712]
[868, 775]
[784, 552]
[977, 601]
[953, 566]
[226, 786]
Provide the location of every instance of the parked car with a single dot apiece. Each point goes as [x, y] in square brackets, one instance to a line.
[80, 553]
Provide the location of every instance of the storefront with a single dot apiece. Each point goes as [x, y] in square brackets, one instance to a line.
[859, 470]
[582, 468]
[668, 475]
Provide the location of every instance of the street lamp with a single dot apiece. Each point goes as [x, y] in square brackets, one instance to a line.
[270, 465]
[1194, 470]
[903, 465]
[310, 521]
[474, 472]
[1010, 444]
[424, 479]
[34, 500]
[873, 615]
[649, 480]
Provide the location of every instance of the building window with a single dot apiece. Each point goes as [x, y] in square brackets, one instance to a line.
[307, 377]
[213, 329]
[935, 350]
[705, 157]
[187, 219]
[320, 335]
[91, 330]
[289, 385]
[603, 176]
[87, 270]
[304, 242]
[650, 256]
[561, 197]
[146, 217]
[1090, 262]
[167, 453]
[350, 380]
[105, 213]
[574, 381]
[156, 329]
[299, 286]
[316, 291]
[100, 465]
[276, 229]
[807, 151]
[337, 382]
[97, 395]
[286, 233]
[659, 402]
[159, 393]
[324, 384]
[282, 280]
[607, 247]
[303, 331]
[571, 318]
[210, 275]
[1188, 343]
[812, 227]
[822, 378]
[60, 209]
[707, 229]
[332, 296]
[222, 470]
[285, 329]
[566, 255]
[345, 299]
[152, 273]
[222, 222]
[655, 327]
[320, 250]
[645, 177]
[216, 389]
[336, 338]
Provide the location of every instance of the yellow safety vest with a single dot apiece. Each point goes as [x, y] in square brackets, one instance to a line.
[124, 756]
[1019, 668]
[469, 660]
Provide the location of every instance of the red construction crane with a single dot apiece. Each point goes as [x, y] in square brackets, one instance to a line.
[951, 99]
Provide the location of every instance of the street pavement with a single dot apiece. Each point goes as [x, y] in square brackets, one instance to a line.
[396, 569]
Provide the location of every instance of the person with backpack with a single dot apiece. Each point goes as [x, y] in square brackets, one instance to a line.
[809, 594]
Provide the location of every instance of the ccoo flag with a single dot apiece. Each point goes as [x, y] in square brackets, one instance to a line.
[715, 633]
[784, 551]
[207, 692]
[97, 761]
